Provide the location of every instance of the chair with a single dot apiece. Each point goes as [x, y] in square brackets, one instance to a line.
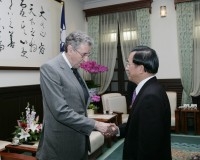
[96, 142]
[172, 96]
[104, 98]
[117, 103]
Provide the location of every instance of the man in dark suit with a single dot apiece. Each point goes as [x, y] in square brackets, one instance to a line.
[147, 132]
[66, 127]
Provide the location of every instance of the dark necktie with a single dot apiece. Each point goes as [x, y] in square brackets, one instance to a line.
[78, 77]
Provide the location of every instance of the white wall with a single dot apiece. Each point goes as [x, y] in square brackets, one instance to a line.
[75, 18]
[163, 33]
[164, 39]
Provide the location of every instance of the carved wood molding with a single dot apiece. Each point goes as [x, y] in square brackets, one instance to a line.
[181, 1]
[59, 1]
[118, 8]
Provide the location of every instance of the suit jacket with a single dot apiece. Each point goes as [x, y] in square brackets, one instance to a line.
[66, 128]
[147, 132]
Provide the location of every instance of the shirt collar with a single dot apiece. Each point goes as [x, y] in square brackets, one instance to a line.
[66, 59]
[140, 85]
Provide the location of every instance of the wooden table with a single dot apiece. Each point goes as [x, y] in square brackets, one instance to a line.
[177, 121]
[107, 118]
[194, 114]
[22, 148]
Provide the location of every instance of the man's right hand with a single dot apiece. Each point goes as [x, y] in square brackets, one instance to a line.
[107, 129]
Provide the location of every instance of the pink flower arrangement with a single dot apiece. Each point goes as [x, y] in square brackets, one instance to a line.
[95, 98]
[93, 67]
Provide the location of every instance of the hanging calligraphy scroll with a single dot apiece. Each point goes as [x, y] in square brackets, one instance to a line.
[29, 32]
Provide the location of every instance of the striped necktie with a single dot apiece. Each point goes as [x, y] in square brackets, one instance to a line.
[78, 77]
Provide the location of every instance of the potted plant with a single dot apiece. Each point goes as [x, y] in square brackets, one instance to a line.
[28, 128]
[92, 108]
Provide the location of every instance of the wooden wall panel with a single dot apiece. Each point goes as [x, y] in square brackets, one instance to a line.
[13, 101]
[9, 112]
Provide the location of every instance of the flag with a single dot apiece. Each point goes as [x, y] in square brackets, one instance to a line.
[62, 29]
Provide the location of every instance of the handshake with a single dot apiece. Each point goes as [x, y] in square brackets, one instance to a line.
[107, 129]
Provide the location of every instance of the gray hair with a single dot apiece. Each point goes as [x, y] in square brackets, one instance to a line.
[75, 39]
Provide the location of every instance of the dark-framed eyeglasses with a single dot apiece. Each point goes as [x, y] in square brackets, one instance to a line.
[83, 54]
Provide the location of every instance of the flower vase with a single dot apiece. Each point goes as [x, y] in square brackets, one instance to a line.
[90, 111]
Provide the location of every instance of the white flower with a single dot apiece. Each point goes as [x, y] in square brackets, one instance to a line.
[33, 127]
[24, 134]
[28, 127]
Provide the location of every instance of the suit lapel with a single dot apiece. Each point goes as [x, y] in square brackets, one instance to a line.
[69, 73]
[152, 80]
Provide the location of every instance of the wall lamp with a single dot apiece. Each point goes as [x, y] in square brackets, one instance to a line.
[163, 11]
